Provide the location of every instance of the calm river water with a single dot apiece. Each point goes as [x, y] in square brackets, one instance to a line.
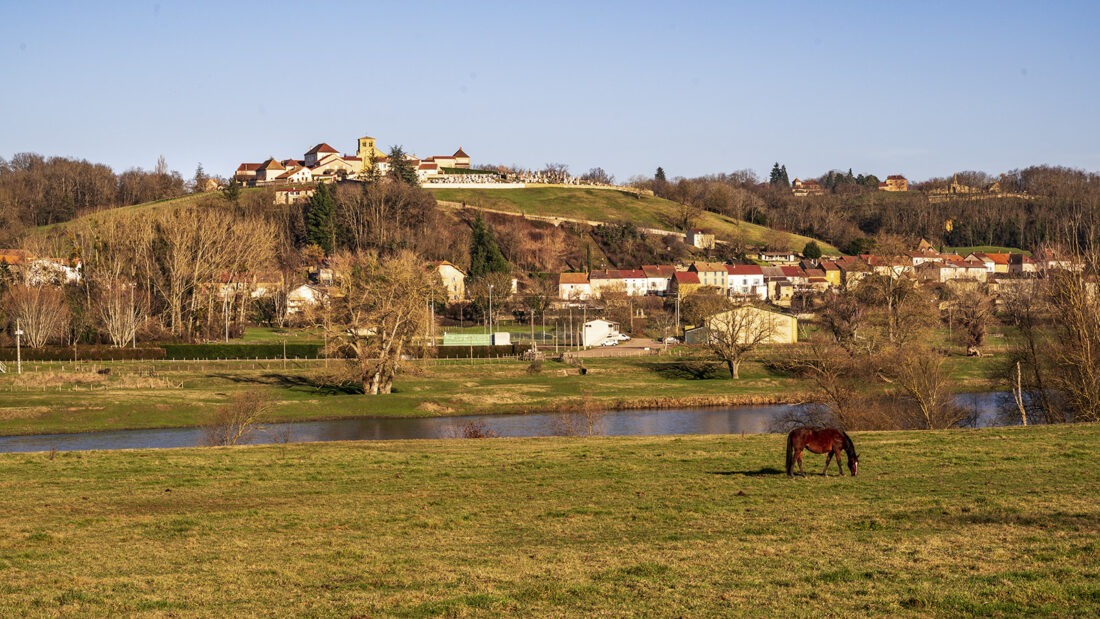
[711, 420]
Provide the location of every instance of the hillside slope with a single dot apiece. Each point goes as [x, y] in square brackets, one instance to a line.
[615, 206]
[581, 203]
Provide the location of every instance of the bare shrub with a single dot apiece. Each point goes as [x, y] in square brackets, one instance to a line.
[476, 429]
[235, 420]
[587, 421]
[919, 372]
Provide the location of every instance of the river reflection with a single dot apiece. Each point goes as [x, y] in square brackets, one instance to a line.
[712, 420]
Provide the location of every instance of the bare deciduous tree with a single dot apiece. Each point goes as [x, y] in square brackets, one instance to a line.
[732, 335]
[119, 310]
[380, 308]
[1075, 347]
[41, 311]
[919, 372]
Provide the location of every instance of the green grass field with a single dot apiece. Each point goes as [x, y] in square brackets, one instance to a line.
[614, 206]
[998, 522]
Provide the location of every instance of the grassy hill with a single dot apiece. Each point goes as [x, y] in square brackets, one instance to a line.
[611, 205]
[586, 203]
[998, 522]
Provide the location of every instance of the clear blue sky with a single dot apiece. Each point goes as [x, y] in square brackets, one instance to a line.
[918, 88]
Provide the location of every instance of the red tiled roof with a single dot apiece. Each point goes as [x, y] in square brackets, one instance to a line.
[249, 167]
[321, 148]
[793, 271]
[573, 278]
[744, 269]
[460, 153]
[708, 267]
[687, 277]
[661, 271]
[632, 274]
[895, 177]
[604, 275]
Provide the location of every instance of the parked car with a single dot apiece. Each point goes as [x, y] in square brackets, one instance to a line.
[622, 337]
[670, 340]
[610, 342]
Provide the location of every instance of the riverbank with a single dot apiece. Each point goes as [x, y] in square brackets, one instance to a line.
[956, 523]
[52, 398]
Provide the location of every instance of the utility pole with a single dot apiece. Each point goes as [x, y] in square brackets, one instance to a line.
[225, 312]
[18, 349]
[490, 314]
[677, 329]
[133, 316]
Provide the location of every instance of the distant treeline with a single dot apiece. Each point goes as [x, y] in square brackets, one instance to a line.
[1025, 208]
[36, 190]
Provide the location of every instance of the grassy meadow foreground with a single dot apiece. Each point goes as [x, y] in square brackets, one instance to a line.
[998, 522]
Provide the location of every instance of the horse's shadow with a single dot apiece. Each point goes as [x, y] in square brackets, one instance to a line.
[764, 472]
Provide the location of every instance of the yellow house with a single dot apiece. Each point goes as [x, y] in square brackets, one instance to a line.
[894, 182]
[711, 274]
[453, 278]
[751, 321]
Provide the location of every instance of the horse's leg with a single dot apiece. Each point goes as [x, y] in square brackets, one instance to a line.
[838, 467]
[828, 459]
[801, 471]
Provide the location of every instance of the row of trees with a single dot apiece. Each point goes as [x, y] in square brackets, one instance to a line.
[35, 190]
[181, 273]
[1036, 206]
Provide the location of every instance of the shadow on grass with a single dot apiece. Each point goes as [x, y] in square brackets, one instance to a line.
[767, 471]
[289, 381]
[690, 370]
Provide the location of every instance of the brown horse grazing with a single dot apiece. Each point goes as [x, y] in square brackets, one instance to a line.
[821, 441]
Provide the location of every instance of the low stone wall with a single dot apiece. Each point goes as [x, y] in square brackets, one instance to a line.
[473, 185]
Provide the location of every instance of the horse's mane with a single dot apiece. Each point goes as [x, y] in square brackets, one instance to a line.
[849, 446]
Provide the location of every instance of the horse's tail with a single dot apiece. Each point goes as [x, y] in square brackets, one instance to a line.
[790, 454]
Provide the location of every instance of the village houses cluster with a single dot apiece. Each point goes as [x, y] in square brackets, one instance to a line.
[777, 277]
[323, 163]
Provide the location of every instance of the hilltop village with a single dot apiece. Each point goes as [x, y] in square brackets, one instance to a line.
[323, 163]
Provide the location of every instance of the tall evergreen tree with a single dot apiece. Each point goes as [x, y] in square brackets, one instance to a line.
[321, 218]
[777, 175]
[485, 255]
[660, 175]
[232, 191]
[401, 168]
[783, 180]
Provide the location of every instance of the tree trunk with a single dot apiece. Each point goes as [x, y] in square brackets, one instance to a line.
[734, 367]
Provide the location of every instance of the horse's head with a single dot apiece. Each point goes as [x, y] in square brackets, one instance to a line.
[853, 464]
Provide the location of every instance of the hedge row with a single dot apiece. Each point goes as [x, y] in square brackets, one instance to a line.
[242, 351]
[85, 353]
[177, 352]
[476, 352]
